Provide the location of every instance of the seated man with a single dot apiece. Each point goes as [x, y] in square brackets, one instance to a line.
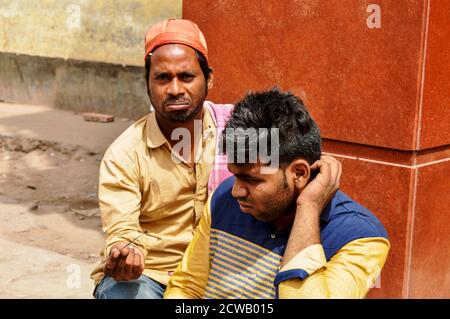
[285, 232]
[151, 191]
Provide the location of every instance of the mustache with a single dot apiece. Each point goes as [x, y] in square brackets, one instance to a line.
[243, 200]
[176, 102]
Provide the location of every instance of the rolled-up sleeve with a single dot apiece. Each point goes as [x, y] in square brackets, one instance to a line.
[120, 200]
[306, 262]
[348, 274]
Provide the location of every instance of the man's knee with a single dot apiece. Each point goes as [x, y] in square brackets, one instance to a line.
[141, 288]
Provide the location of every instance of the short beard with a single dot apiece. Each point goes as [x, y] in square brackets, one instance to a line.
[281, 207]
[183, 116]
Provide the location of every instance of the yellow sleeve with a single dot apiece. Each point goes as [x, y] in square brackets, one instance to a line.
[120, 202]
[190, 278]
[349, 274]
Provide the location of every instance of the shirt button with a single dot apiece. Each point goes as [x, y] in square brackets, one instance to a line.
[272, 236]
[254, 276]
[191, 172]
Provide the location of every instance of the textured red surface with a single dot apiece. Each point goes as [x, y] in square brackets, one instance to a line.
[360, 83]
[383, 189]
[381, 98]
[435, 112]
[430, 253]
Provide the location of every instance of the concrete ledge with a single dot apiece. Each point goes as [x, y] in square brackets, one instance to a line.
[73, 85]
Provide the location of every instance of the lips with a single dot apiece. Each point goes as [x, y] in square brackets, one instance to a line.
[244, 207]
[243, 203]
[177, 105]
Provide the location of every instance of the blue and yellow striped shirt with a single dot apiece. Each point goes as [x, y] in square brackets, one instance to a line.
[233, 255]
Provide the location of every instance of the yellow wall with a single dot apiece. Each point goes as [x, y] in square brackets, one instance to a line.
[110, 31]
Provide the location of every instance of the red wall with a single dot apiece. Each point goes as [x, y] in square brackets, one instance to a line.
[380, 96]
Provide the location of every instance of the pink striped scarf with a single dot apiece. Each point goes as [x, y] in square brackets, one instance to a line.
[220, 114]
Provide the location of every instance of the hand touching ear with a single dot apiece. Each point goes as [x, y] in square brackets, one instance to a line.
[321, 188]
[315, 193]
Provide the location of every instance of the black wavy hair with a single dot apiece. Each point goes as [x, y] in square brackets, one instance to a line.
[299, 135]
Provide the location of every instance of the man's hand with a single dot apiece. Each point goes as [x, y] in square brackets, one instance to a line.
[319, 191]
[310, 203]
[125, 262]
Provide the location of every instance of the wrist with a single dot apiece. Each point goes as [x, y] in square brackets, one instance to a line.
[308, 211]
[309, 206]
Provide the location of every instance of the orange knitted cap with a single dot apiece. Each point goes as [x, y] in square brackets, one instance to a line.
[175, 31]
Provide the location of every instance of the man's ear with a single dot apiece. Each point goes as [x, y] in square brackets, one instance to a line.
[210, 80]
[301, 173]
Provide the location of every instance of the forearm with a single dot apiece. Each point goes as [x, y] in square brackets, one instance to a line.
[121, 224]
[120, 199]
[305, 232]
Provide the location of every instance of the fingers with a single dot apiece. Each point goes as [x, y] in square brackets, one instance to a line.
[129, 264]
[118, 273]
[324, 168]
[138, 266]
[335, 169]
[125, 262]
[329, 175]
[316, 165]
[111, 263]
[330, 170]
[323, 185]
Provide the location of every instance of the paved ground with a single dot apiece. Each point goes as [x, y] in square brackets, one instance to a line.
[66, 128]
[50, 231]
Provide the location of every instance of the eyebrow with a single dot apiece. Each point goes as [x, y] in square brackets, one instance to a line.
[157, 73]
[244, 176]
[187, 72]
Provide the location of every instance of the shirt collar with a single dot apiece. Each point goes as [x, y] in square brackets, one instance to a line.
[155, 138]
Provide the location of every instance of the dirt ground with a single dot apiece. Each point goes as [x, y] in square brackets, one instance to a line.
[50, 227]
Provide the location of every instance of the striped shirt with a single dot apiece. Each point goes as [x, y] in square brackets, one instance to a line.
[233, 255]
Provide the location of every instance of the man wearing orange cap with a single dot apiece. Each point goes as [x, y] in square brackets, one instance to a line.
[151, 192]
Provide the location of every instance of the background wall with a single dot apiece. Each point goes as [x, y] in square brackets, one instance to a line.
[109, 31]
[82, 55]
[373, 73]
[375, 76]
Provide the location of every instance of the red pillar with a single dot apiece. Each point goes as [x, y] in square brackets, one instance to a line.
[375, 75]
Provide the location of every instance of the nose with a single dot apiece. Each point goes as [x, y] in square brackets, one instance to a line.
[175, 87]
[239, 190]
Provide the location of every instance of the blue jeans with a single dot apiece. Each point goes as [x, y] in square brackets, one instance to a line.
[141, 288]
